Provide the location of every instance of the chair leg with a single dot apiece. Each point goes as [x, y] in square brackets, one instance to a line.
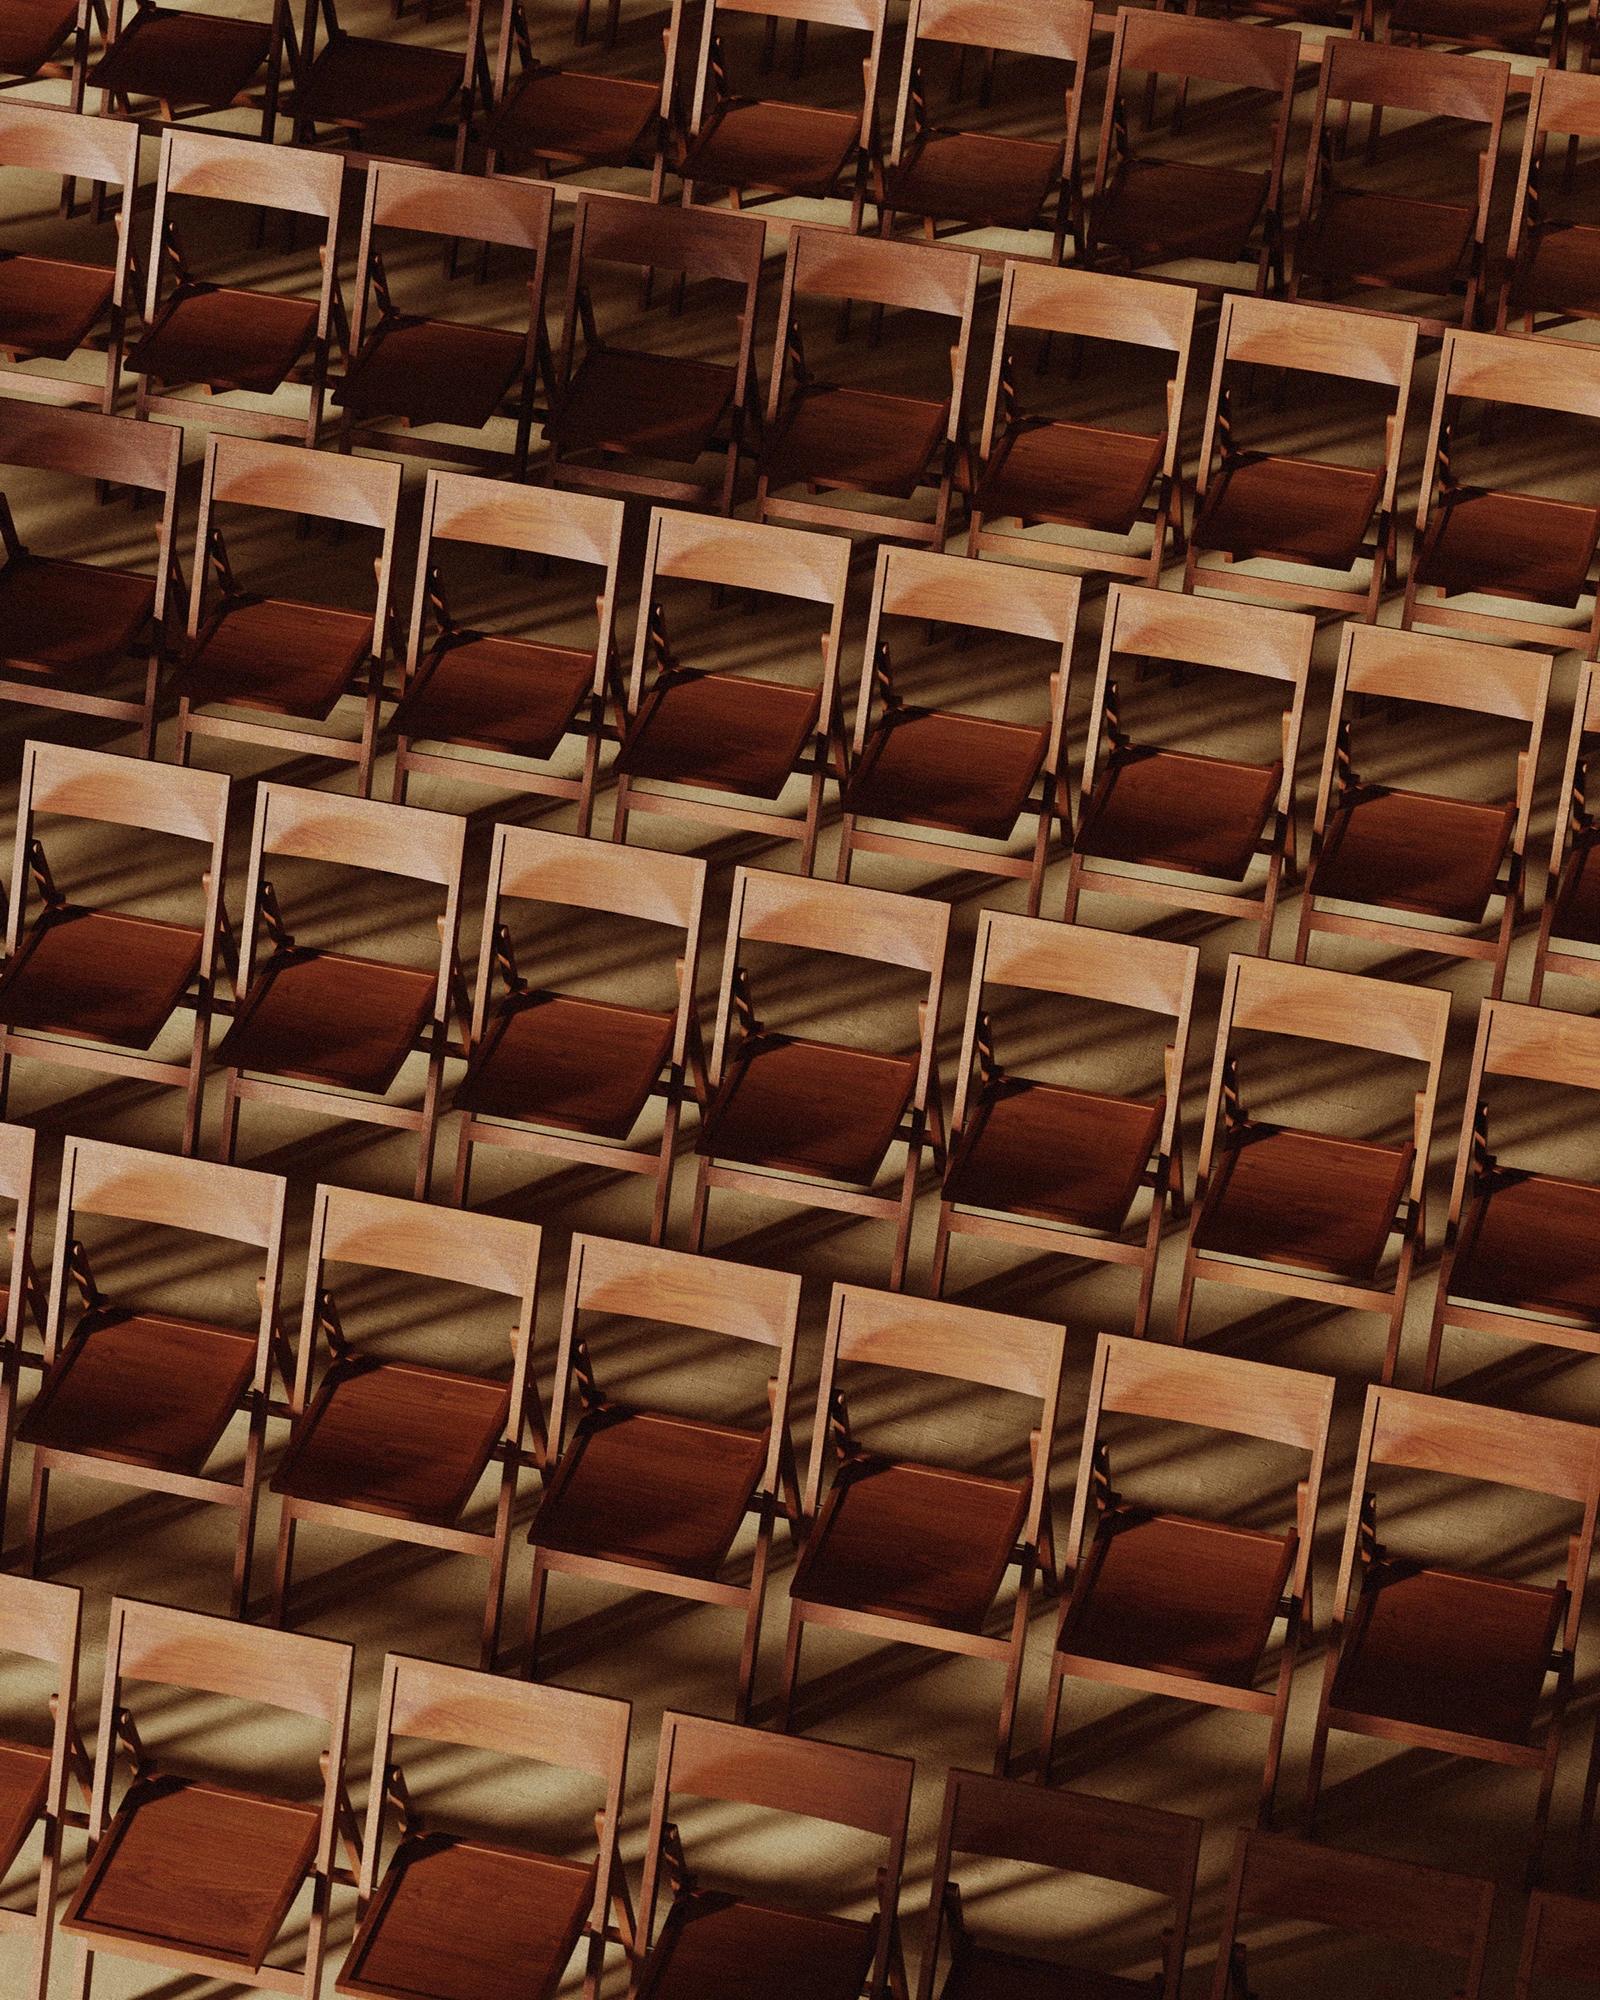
[463, 1173]
[791, 1667]
[1541, 1812]
[38, 1502]
[1319, 1741]
[1008, 1699]
[908, 1209]
[45, 1905]
[195, 1091]
[1397, 1311]
[1147, 1273]
[697, 1214]
[228, 1137]
[1302, 935]
[663, 1193]
[82, 1975]
[750, 1652]
[1280, 1717]
[1069, 907]
[941, 1252]
[283, 1565]
[1180, 1324]
[537, 1593]
[1052, 1719]
[244, 1547]
[495, 1595]
[847, 828]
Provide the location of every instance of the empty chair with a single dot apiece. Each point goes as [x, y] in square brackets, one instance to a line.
[1195, 815]
[892, 446]
[181, 61]
[1150, 208]
[1569, 925]
[47, 39]
[39, 1623]
[1443, 1657]
[452, 1911]
[221, 337]
[70, 629]
[1166, 1603]
[408, 371]
[1498, 542]
[1047, 1164]
[969, 776]
[978, 179]
[566, 1073]
[654, 1498]
[1069, 1833]
[1407, 1909]
[629, 417]
[136, 1394]
[93, 984]
[23, 1295]
[379, 91]
[1109, 482]
[328, 1030]
[52, 307]
[1519, 1248]
[1552, 263]
[390, 1445]
[748, 738]
[1312, 513]
[286, 657]
[199, 1874]
[1560, 1943]
[1398, 851]
[913, 1552]
[1301, 1212]
[1354, 234]
[810, 1121]
[719, 1944]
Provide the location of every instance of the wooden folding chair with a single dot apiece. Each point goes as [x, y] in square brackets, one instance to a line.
[742, 736]
[1069, 1833]
[23, 1294]
[200, 1875]
[331, 1031]
[52, 308]
[1046, 1165]
[630, 418]
[1152, 209]
[1540, 28]
[1187, 813]
[647, 1499]
[393, 1446]
[775, 147]
[223, 337]
[414, 371]
[716, 1944]
[1107, 482]
[39, 1622]
[379, 91]
[815, 1122]
[1354, 233]
[986, 179]
[1278, 1880]
[912, 1552]
[568, 1074]
[1448, 1658]
[281, 656]
[455, 1912]
[1560, 1942]
[1495, 541]
[892, 446]
[1318, 514]
[48, 40]
[93, 984]
[1309, 1214]
[1569, 925]
[182, 61]
[1552, 262]
[488, 698]
[68, 627]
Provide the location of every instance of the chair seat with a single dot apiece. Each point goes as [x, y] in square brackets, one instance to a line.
[652, 405]
[1411, 851]
[792, 148]
[1445, 1649]
[199, 1867]
[1172, 1595]
[49, 308]
[143, 1388]
[858, 439]
[99, 976]
[1294, 509]
[24, 1787]
[982, 178]
[1509, 545]
[181, 58]
[1577, 910]
[487, 692]
[395, 1438]
[1510, 24]
[1304, 1199]
[1531, 1242]
[917, 1542]
[361, 82]
[929, 767]
[226, 338]
[1561, 270]
[1076, 474]
[665, 1492]
[1170, 809]
[809, 1108]
[1068, 1156]
[274, 654]
[1397, 240]
[724, 732]
[719, 1947]
[1157, 211]
[433, 371]
[322, 1017]
[69, 618]
[563, 114]
[979, 1972]
[457, 1919]
[559, 1059]
[31, 31]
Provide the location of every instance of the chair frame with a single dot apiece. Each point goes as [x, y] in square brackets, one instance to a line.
[1560, 103]
[1573, 821]
[40, 1621]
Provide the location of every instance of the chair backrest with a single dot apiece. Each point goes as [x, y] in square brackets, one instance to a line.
[532, 520]
[1055, 28]
[1561, 1940]
[1553, 375]
[1532, 1044]
[127, 451]
[1561, 102]
[44, 138]
[288, 479]
[161, 1646]
[1472, 88]
[868, 16]
[866, 1789]
[1190, 45]
[40, 1621]
[694, 242]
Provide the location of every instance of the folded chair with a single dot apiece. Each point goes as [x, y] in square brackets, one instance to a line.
[1569, 925]
[39, 1624]
[1552, 261]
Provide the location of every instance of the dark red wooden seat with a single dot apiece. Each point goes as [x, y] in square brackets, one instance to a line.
[659, 405]
[24, 1787]
[564, 114]
[1300, 510]
[934, 767]
[1511, 544]
[1518, 26]
[988, 179]
[1438, 856]
[1069, 1156]
[559, 1059]
[796, 149]
[1363, 234]
[190, 61]
[721, 731]
[1177, 809]
[1306, 1199]
[275, 654]
[226, 338]
[1078, 474]
[48, 307]
[327, 1017]
[433, 372]
[497, 693]
[1531, 1241]
[715, 1946]
[99, 975]
[809, 1107]
[70, 618]
[1552, 262]
[1158, 211]
[364, 85]
[31, 31]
